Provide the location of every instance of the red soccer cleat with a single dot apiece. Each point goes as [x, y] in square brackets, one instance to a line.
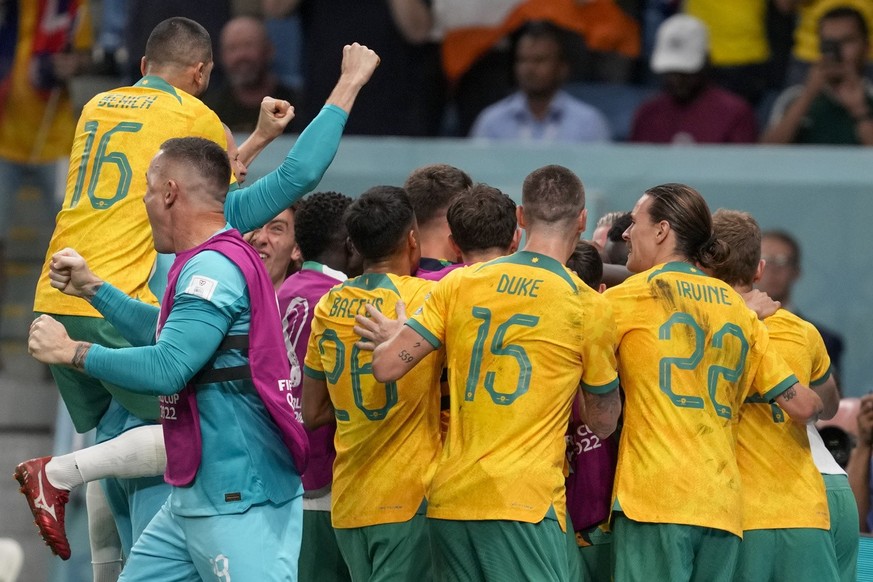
[46, 503]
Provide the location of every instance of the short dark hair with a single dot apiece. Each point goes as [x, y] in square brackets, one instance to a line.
[178, 41]
[787, 239]
[543, 29]
[846, 12]
[618, 227]
[688, 215]
[587, 264]
[552, 194]
[482, 219]
[378, 221]
[206, 157]
[432, 188]
[318, 223]
[743, 235]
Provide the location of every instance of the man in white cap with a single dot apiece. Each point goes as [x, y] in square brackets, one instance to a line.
[690, 109]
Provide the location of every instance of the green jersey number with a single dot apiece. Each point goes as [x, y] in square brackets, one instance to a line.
[715, 371]
[101, 157]
[498, 348]
[356, 371]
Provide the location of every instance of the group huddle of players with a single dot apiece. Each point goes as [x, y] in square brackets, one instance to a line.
[474, 439]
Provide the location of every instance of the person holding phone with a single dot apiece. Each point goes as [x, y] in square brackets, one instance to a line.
[835, 104]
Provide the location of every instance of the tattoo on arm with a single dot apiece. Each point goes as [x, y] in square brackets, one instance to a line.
[417, 345]
[405, 356]
[81, 352]
[789, 394]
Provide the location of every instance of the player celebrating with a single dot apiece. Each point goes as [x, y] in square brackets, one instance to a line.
[689, 353]
[387, 435]
[793, 513]
[519, 333]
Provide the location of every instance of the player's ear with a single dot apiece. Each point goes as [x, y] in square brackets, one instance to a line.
[171, 194]
[516, 241]
[455, 248]
[143, 66]
[759, 271]
[583, 219]
[519, 216]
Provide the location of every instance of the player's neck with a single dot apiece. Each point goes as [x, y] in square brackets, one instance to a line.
[397, 264]
[556, 245]
[197, 232]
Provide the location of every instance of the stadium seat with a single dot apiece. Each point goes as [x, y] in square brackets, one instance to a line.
[616, 101]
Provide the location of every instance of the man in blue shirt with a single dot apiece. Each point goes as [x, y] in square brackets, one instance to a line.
[226, 453]
[540, 110]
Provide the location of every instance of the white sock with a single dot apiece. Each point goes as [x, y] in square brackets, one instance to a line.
[106, 554]
[62, 472]
[138, 452]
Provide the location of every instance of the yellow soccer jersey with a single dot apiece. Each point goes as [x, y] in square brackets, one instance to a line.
[520, 332]
[388, 435]
[689, 352]
[103, 216]
[782, 488]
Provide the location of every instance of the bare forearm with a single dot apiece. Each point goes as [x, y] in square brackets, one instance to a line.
[830, 397]
[252, 147]
[345, 93]
[602, 412]
[785, 130]
[858, 470]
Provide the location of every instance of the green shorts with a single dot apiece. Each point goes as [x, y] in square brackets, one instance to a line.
[595, 554]
[499, 550]
[320, 557]
[796, 554]
[844, 525]
[87, 398]
[668, 551]
[390, 551]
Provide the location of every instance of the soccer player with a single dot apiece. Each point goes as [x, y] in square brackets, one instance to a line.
[431, 190]
[689, 353]
[519, 333]
[218, 363]
[387, 435]
[328, 257]
[784, 501]
[482, 227]
[113, 205]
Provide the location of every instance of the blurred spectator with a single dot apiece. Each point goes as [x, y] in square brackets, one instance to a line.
[781, 253]
[39, 53]
[805, 50]
[835, 103]
[859, 463]
[245, 55]
[110, 54]
[690, 109]
[739, 50]
[11, 559]
[405, 95]
[476, 47]
[144, 15]
[540, 110]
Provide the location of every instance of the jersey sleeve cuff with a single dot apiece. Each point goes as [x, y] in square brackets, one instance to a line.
[602, 389]
[821, 380]
[342, 113]
[313, 373]
[425, 333]
[781, 387]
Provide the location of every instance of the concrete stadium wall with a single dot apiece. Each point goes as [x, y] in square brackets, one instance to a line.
[824, 196]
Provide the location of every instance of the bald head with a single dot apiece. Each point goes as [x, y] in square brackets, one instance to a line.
[246, 51]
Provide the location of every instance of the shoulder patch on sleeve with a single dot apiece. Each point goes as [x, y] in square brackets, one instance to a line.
[201, 286]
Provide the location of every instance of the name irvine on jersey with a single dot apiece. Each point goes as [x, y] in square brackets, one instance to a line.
[115, 101]
[705, 293]
[518, 285]
[351, 307]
